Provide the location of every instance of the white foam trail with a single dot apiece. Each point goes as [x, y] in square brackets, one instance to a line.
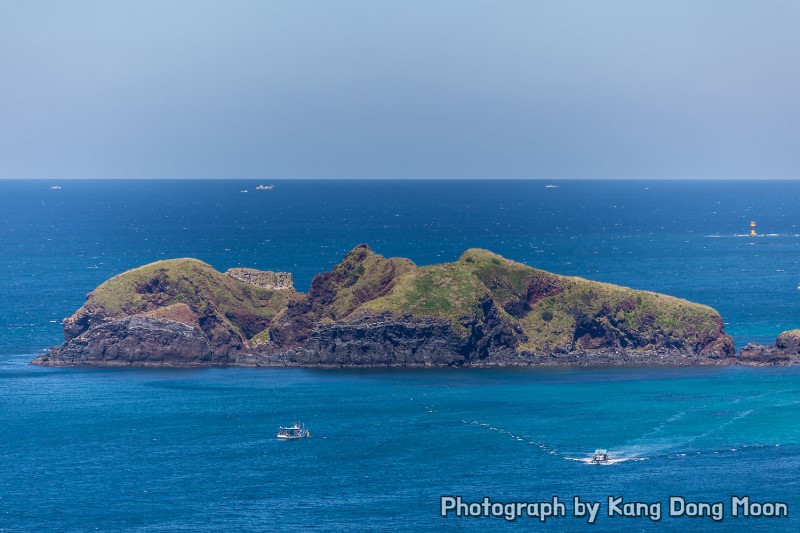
[723, 425]
[674, 418]
[518, 438]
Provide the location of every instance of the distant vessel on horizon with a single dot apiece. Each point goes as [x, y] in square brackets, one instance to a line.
[551, 186]
[297, 431]
[265, 187]
[55, 187]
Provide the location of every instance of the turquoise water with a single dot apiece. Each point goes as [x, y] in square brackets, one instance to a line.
[195, 450]
[191, 450]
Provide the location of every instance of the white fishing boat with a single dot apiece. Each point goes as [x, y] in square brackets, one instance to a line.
[263, 187]
[297, 431]
[551, 186]
[600, 457]
[56, 187]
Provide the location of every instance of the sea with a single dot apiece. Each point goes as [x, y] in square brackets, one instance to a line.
[690, 449]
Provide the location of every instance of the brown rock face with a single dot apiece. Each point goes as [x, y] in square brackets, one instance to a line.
[179, 312]
[81, 321]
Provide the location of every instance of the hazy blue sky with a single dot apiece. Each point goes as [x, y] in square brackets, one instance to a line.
[418, 89]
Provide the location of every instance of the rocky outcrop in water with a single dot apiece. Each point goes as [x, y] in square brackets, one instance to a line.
[481, 310]
[785, 351]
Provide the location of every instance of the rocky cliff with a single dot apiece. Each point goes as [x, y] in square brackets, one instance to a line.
[481, 310]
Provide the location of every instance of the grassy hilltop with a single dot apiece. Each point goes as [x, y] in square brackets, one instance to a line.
[553, 311]
[185, 290]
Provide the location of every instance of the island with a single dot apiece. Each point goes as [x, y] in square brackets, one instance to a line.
[373, 311]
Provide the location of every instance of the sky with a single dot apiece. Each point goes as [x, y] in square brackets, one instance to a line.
[562, 89]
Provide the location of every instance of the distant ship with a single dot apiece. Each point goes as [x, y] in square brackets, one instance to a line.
[243, 190]
[265, 187]
[551, 186]
[56, 187]
[297, 431]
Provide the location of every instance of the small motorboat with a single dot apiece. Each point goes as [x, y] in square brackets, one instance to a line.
[600, 457]
[297, 431]
[265, 187]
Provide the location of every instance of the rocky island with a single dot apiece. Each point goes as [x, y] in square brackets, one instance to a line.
[482, 310]
[784, 351]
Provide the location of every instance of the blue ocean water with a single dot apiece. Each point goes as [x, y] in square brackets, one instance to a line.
[189, 450]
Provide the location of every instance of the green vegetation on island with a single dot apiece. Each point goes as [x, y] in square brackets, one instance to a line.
[480, 309]
[158, 288]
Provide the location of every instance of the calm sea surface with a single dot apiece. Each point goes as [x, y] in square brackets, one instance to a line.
[189, 450]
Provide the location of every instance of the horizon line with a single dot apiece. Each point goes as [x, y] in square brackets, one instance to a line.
[72, 178]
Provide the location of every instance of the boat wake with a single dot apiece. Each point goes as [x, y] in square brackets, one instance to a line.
[619, 456]
[517, 437]
[657, 444]
[662, 441]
